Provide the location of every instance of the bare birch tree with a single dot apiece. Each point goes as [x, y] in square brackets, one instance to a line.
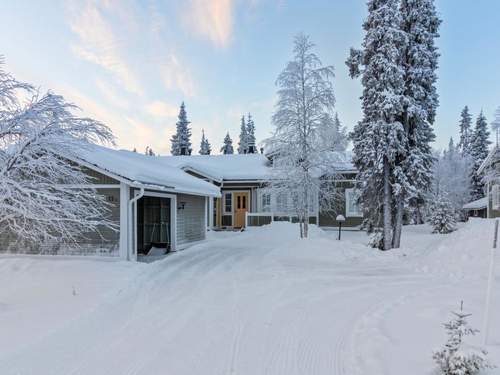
[305, 96]
[39, 134]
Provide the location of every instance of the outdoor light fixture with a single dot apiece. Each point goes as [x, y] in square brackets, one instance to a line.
[340, 219]
[181, 205]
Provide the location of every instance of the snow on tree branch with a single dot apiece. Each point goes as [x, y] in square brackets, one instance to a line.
[38, 137]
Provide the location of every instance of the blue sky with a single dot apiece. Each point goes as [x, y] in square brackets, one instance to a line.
[130, 63]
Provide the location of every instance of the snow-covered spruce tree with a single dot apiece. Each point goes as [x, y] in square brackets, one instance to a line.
[465, 126]
[227, 148]
[495, 124]
[333, 134]
[305, 94]
[479, 151]
[458, 358]
[243, 143]
[205, 148]
[420, 24]
[38, 201]
[452, 175]
[442, 216]
[252, 147]
[379, 139]
[181, 140]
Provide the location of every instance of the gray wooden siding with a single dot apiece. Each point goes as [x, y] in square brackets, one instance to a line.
[105, 241]
[492, 213]
[327, 217]
[190, 220]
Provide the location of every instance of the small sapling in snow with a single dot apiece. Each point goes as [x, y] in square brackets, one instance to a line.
[457, 357]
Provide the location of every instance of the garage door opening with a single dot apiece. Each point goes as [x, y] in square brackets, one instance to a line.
[154, 226]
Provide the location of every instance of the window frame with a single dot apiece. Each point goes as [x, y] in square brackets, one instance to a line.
[226, 206]
[265, 202]
[349, 195]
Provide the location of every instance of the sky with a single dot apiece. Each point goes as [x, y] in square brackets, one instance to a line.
[130, 63]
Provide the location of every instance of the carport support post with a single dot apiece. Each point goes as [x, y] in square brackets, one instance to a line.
[124, 197]
[210, 213]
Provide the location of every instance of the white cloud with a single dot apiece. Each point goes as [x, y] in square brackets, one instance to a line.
[111, 94]
[97, 43]
[211, 20]
[176, 75]
[161, 109]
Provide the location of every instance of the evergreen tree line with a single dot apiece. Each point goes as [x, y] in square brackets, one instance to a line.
[456, 177]
[181, 140]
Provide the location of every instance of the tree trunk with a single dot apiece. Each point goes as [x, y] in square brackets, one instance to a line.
[306, 213]
[398, 225]
[418, 215]
[387, 207]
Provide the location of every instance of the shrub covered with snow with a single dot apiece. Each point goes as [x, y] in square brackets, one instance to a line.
[376, 240]
[442, 215]
[458, 358]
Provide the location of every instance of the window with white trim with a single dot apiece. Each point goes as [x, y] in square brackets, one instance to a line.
[265, 201]
[352, 208]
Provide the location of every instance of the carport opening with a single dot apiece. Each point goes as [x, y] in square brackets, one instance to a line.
[154, 226]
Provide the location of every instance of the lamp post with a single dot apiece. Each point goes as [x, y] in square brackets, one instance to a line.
[340, 219]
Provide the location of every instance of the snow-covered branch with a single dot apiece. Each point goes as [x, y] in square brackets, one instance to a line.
[38, 138]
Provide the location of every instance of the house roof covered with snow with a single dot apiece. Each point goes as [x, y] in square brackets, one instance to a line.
[233, 167]
[143, 170]
[492, 156]
[477, 204]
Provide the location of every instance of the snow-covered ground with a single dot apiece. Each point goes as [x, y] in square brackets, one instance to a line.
[257, 302]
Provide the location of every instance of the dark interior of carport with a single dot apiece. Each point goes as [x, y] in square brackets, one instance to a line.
[154, 234]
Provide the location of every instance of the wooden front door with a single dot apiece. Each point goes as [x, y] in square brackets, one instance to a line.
[240, 201]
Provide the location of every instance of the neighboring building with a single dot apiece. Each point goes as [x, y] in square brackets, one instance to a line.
[489, 205]
[477, 208]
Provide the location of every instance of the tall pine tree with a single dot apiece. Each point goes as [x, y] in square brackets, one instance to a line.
[392, 142]
[379, 138]
[205, 148]
[479, 151]
[420, 24]
[181, 140]
[243, 143]
[227, 148]
[252, 148]
[465, 131]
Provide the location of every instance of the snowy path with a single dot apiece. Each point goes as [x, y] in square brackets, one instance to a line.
[258, 302]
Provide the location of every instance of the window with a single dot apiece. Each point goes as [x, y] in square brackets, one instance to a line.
[228, 202]
[266, 202]
[282, 202]
[352, 208]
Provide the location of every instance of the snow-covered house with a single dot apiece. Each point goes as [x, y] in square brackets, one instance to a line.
[155, 205]
[246, 199]
[489, 206]
[166, 203]
[170, 201]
